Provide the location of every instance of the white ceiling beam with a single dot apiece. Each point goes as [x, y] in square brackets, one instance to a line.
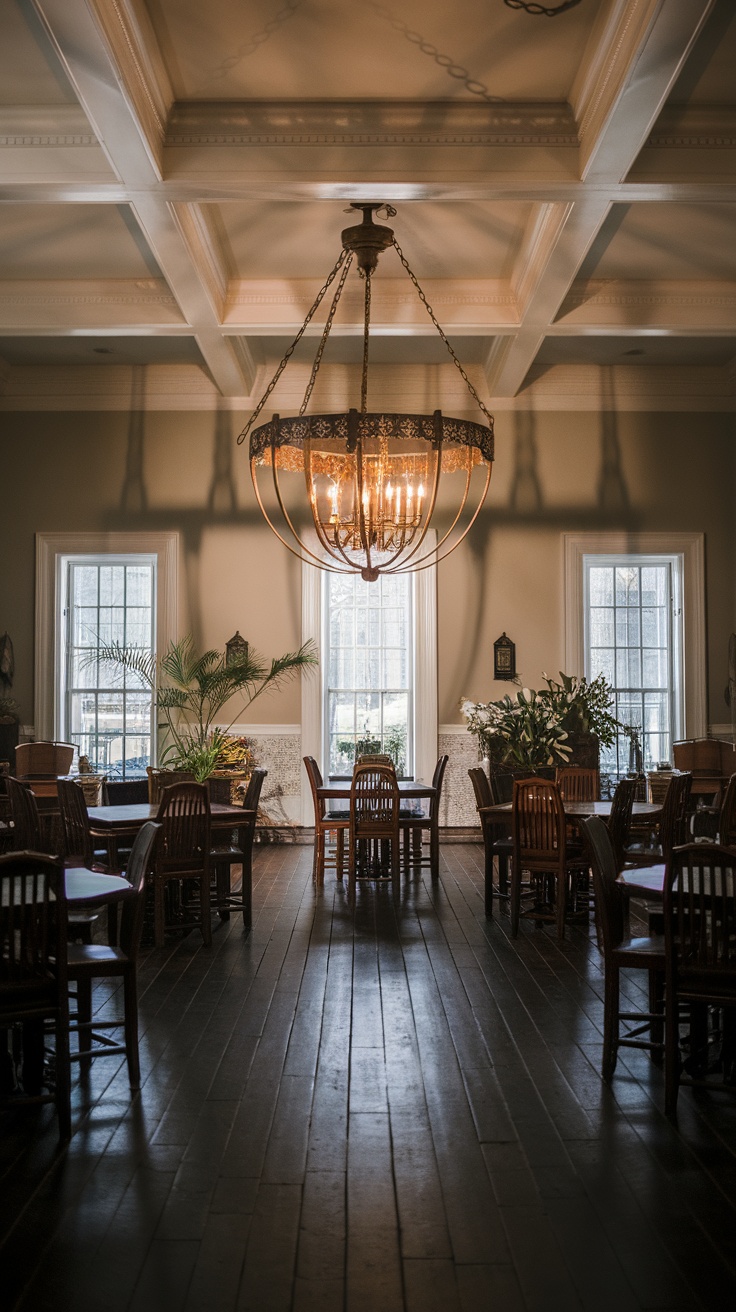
[635, 54]
[111, 57]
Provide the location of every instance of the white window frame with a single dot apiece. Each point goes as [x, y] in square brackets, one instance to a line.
[53, 550]
[412, 717]
[689, 549]
[425, 709]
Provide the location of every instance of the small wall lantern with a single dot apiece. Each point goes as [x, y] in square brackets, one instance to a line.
[504, 658]
[236, 649]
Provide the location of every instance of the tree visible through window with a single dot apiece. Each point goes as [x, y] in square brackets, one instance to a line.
[631, 609]
[368, 670]
[108, 711]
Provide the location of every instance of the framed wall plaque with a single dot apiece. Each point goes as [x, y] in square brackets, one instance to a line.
[504, 658]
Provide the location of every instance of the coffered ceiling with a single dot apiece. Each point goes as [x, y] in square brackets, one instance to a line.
[174, 176]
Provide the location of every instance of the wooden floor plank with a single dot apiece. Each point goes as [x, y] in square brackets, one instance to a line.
[391, 1105]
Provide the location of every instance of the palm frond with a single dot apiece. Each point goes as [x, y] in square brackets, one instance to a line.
[136, 660]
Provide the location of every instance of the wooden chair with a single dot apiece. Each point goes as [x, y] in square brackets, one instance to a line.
[619, 821]
[727, 817]
[496, 843]
[225, 856]
[672, 827]
[28, 835]
[374, 825]
[539, 846]
[413, 824]
[90, 962]
[578, 783]
[620, 952]
[33, 980]
[700, 941]
[325, 822]
[26, 818]
[77, 835]
[182, 856]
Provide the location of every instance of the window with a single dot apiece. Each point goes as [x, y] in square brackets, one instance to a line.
[633, 610]
[115, 601]
[107, 713]
[368, 670]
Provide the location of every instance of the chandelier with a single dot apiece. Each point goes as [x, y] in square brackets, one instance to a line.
[374, 480]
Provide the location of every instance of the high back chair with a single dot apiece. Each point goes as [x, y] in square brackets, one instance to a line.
[539, 846]
[622, 952]
[225, 855]
[496, 843]
[374, 825]
[182, 858]
[33, 979]
[326, 821]
[700, 941]
[672, 827]
[90, 962]
[619, 822]
[414, 823]
[24, 813]
[77, 837]
[578, 783]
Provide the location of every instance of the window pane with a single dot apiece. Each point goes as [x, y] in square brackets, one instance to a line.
[601, 587]
[601, 627]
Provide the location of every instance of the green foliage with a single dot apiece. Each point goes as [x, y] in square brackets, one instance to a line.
[190, 691]
[584, 706]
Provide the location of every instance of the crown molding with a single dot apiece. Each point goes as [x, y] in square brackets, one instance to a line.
[368, 123]
[132, 43]
[696, 127]
[45, 125]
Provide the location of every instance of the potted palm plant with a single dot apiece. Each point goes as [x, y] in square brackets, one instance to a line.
[190, 690]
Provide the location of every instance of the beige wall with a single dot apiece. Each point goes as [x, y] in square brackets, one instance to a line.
[554, 473]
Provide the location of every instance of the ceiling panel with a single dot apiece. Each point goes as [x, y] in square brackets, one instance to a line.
[401, 349]
[694, 242]
[716, 351]
[30, 74]
[282, 240]
[708, 75]
[72, 241]
[52, 351]
[328, 49]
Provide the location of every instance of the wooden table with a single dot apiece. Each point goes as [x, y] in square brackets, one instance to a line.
[409, 790]
[643, 881]
[581, 810]
[89, 886]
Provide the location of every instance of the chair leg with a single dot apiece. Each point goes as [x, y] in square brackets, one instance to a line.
[246, 888]
[656, 1007]
[204, 906]
[561, 903]
[112, 924]
[515, 900]
[489, 878]
[340, 852]
[318, 872]
[671, 1053]
[396, 867]
[130, 993]
[159, 892]
[63, 1078]
[223, 877]
[610, 1022]
[84, 1019]
[434, 850]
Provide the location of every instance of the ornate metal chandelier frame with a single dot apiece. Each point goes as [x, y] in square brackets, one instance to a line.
[366, 472]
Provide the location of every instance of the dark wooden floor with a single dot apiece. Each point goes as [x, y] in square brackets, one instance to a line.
[396, 1109]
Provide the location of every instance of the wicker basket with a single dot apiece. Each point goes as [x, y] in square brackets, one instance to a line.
[91, 785]
[160, 779]
[43, 758]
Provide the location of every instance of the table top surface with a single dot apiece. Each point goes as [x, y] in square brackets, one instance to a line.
[646, 880]
[88, 886]
[407, 788]
[137, 813]
[583, 809]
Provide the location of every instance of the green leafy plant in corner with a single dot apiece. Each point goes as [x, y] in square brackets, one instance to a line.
[190, 690]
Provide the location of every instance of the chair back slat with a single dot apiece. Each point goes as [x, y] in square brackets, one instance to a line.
[609, 905]
[673, 824]
[25, 816]
[314, 775]
[727, 820]
[75, 832]
[700, 916]
[32, 925]
[374, 798]
[538, 823]
[578, 783]
[131, 919]
[619, 824]
[184, 813]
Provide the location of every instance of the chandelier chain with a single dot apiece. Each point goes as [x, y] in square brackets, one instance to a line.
[290, 351]
[443, 335]
[325, 335]
[546, 11]
[446, 62]
[366, 331]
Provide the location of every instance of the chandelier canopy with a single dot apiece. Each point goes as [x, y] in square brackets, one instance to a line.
[372, 479]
